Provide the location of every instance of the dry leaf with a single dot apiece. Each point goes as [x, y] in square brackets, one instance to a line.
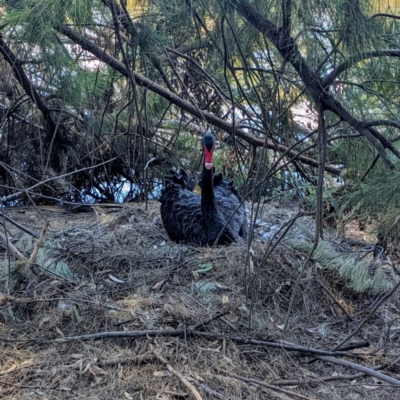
[59, 331]
[196, 376]
[196, 275]
[159, 373]
[106, 271]
[76, 365]
[251, 266]
[97, 372]
[56, 379]
[114, 279]
[244, 308]
[225, 299]
[158, 285]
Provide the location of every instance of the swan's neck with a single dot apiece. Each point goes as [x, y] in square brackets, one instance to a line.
[208, 204]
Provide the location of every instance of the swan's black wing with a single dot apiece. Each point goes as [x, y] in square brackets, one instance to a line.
[181, 213]
[229, 200]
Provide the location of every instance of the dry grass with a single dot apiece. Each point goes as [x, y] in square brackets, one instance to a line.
[114, 269]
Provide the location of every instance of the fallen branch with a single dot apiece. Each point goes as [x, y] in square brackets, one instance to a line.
[18, 225]
[269, 386]
[360, 368]
[180, 332]
[288, 347]
[194, 391]
[318, 381]
[358, 344]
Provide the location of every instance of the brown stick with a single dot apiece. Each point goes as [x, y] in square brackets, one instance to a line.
[13, 250]
[38, 244]
[194, 391]
[360, 368]
[35, 251]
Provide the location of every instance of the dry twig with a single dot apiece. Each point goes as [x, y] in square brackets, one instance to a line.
[269, 386]
[318, 381]
[18, 225]
[13, 250]
[378, 304]
[360, 368]
[194, 391]
[35, 251]
[179, 332]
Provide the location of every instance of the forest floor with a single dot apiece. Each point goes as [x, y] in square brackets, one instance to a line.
[110, 308]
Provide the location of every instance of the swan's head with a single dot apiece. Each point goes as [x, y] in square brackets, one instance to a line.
[208, 143]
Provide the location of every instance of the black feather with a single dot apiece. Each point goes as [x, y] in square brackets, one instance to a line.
[191, 218]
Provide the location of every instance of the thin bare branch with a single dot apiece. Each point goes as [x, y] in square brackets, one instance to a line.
[360, 368]
[378, 304]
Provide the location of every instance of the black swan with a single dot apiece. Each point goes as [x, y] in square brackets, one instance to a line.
[217, 213]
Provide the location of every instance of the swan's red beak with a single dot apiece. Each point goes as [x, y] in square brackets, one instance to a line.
[208, 155]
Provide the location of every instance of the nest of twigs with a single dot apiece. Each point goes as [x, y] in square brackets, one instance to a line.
[111, 308]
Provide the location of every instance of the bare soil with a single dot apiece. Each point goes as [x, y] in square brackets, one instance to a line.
[109, 296]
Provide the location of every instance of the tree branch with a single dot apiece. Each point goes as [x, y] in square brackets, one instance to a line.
[24, 81]
[360, 368]
[54, 129]
[313, 83]
[87, 45]
[328, 79]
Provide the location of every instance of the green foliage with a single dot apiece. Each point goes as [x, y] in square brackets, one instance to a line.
[188, 150]
[360, 275]
[376, 200]
[229, 66]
